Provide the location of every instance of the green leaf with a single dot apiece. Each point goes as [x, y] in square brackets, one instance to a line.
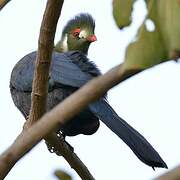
[122, 12]
[146, 51]
[162, 43]
[62, 175]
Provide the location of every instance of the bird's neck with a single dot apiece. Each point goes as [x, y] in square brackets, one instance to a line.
[62, 45]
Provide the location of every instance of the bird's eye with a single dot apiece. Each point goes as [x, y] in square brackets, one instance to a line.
[76, 32]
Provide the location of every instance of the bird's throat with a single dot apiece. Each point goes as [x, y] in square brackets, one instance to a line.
[62, 45]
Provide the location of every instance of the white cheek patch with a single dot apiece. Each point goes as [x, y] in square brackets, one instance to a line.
[64, 44]
[83, 34]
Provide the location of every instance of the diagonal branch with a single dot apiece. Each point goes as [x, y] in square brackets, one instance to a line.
[64, 111]
[73, 160]
[59, 115]
[3, 3]
[174, 174]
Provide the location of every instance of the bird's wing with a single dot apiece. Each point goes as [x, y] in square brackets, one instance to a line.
[63, 71]
[138, 144]
[22, 73]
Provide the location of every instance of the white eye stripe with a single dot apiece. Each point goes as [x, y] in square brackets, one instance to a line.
[83, 34]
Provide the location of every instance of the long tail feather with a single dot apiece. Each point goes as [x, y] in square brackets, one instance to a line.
[138, 144]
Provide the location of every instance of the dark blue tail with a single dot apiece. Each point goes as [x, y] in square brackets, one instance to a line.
[138, 144]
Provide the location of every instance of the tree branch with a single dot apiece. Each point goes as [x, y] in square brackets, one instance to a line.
[43, 59]
[64, 111]
[73, 160]
[174, 174]
[59, 115]
[40, 90]
[40, 85]
[3, 3]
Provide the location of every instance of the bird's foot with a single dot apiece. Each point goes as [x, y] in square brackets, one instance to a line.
[61, 138]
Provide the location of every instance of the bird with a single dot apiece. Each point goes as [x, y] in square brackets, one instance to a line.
[70, 70]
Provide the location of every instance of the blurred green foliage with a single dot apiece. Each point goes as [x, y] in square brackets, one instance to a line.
[62, 175]
[122, 12]
[153, 46]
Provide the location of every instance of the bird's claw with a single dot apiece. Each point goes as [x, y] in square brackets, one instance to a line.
[52, 149]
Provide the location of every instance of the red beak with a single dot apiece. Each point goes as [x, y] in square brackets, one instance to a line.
[92, 38]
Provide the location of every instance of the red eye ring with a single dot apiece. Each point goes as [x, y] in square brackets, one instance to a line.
[76, 32]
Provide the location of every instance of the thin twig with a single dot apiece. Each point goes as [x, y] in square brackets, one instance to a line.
[73, 160]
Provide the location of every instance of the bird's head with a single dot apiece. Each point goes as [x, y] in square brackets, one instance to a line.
[78, 34]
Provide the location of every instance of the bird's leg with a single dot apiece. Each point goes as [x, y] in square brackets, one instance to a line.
[50, 147]
[60, 135]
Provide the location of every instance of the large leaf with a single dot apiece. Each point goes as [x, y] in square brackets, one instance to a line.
[146, 51]
[152, 47]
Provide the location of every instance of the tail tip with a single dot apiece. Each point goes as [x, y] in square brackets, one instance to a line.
[165, 165]
[160, 165]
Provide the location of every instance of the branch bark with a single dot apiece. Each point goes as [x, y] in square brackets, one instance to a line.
[43, 59]
[3, 3]
[174, 174]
